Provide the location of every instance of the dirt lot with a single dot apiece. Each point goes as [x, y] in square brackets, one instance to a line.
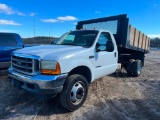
[113, 97]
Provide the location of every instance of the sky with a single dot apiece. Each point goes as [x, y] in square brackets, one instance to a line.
[56, 17]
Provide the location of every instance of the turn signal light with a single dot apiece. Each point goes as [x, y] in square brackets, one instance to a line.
[57, 71]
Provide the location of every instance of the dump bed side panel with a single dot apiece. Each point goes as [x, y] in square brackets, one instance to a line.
[138, 39]
[132, 30]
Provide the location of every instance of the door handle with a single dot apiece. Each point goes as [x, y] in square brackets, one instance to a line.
[115, 54]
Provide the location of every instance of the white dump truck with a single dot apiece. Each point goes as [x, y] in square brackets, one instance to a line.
[76, 59]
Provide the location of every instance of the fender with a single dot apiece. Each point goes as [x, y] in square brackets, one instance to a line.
[77, 63]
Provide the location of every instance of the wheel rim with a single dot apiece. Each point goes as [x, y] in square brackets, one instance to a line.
[139, 69]
[77, 93]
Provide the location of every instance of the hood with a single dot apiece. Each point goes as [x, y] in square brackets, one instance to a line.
[50, 52]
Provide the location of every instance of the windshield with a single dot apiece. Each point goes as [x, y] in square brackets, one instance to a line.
[7, 40]
[78, 38]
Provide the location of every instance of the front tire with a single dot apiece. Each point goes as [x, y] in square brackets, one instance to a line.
[74, 92]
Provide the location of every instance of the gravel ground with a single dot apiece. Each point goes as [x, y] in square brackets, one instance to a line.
[116, 96]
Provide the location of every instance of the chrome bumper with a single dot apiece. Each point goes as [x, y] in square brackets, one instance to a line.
[41, 84]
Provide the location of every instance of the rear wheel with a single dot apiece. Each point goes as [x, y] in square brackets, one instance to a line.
[137, 68]
[129, 68]
[74, 92]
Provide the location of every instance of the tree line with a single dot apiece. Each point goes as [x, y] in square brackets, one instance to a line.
[39, 40]
[155, 42]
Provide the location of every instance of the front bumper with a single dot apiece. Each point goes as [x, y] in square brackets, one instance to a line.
[39, 84]
[4, 65]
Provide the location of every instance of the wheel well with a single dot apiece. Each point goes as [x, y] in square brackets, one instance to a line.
[124, 58]
[82, 70]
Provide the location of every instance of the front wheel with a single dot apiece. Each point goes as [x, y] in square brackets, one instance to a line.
[74, 92]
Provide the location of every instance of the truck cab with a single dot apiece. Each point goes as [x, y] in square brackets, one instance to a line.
[100, 51]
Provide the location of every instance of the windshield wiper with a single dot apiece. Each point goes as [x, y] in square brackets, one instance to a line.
[86, 46]
[56, 44]
[69, 44]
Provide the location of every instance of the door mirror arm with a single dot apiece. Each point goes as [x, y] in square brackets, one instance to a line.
[97, 47]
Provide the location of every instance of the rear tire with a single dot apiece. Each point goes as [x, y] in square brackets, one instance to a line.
[74, 92]
[137, 68]
[130, 67]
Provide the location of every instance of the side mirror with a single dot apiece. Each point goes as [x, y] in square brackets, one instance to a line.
[51, 42]
[97, 47]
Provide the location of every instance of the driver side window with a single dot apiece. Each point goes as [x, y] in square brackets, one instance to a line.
[105, 42]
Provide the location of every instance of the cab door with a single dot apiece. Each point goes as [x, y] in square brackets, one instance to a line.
[106, 55]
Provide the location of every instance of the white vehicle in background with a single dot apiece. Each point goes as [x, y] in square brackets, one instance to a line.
[77, 59]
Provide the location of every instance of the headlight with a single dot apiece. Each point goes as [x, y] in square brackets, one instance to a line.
[50, 67]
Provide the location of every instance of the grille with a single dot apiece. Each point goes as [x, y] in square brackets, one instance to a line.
[25, 65]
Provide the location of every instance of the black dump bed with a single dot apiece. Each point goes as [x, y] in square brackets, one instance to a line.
[127, 37]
